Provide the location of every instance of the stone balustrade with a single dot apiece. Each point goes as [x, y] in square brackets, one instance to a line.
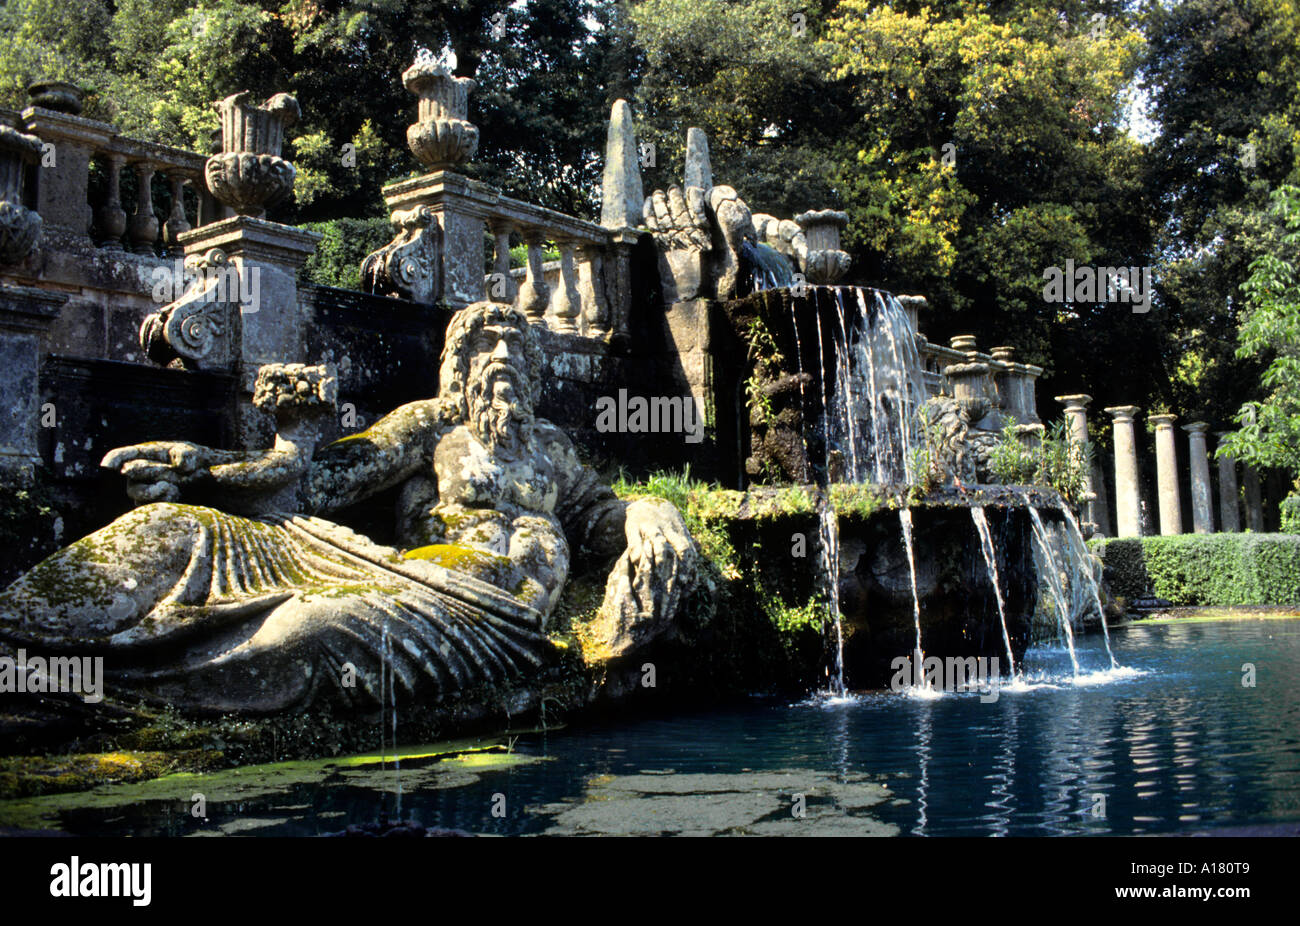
[74, 215]
[1009, 386]
[585, 293]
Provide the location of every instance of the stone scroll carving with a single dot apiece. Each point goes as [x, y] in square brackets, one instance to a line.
[198, 328]
[409, 266]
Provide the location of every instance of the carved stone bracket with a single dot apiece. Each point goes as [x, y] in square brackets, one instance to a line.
[198, 328]
[409, 266]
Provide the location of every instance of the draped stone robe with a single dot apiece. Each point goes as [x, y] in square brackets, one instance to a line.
[218, 612]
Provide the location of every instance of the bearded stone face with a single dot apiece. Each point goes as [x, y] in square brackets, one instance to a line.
[497, 389]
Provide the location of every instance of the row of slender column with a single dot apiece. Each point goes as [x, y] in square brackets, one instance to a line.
[1128, 500]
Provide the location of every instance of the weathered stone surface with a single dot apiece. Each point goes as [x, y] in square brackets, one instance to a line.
[442, 137]
[1128, 502]
[1171, 509]
[261, 607]
[621, 191]
[699, 172]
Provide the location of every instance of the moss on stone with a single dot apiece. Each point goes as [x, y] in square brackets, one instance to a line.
[30, 776]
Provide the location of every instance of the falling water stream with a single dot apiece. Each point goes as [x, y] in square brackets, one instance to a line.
[1079, 553]
[830, 552]
[990, 561]
[918, 660]
[1053, 575]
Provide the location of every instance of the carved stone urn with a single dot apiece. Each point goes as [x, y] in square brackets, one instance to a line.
[57, 95]
[19, 226]
[249, 174]
[825, 263]
[442, 137]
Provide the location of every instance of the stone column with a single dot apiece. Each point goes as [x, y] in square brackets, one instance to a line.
[618, 284]
[1171, 511]
[1128, 501]
[591, 285]
[142, 227]
[61, 187]
[501, 285]
[176, 220]
[534, 294]
[567, 303]
[1229, 497]
[1254, 505]
[25, 315]
[110, 218]
[1076, 414]
[1202, 494]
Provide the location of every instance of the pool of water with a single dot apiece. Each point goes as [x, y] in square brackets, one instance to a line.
[1174, 744]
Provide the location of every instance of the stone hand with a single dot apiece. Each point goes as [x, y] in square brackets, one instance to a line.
[156, 470]
[648, 583]
[678, 221]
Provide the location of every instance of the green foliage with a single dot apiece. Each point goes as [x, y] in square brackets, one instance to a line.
[1205, 569]
[1269, 429]
[338, 257]
[1052, 460]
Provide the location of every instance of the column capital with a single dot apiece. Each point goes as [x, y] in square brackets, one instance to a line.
[1196, 427]
[1165, 420]
[1074, 401]
[1123, 412]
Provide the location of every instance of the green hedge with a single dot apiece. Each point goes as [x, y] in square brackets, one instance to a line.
[1205, 569]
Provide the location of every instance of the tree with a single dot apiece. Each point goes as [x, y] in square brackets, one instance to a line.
[1268, 432]
[153, 68]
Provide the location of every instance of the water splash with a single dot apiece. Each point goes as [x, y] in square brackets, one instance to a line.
[991, 563]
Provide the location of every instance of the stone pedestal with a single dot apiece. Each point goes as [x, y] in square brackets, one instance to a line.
[1254, 503]
[25, 314]
[266, 257]
[1128, 498]
[1171, 510]
[1229, 496]
[1202, 495]
[1076, 414]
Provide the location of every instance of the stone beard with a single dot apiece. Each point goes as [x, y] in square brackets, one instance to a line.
[498, 417]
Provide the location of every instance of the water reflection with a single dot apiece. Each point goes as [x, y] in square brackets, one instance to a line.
[1177, 745]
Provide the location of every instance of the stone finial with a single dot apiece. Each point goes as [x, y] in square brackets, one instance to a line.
[442, 136]
[249, 174]
[699, 172]
[622, 195]
[57, 95]
[825, 263]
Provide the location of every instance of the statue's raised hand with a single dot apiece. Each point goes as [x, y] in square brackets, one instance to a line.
[650, 580]
[156, 470]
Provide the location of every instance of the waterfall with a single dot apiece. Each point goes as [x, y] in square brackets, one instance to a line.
[875, 383]
[1052, 573]
[1082, 560]
[918, 659]
[991, 563]
[830, 553]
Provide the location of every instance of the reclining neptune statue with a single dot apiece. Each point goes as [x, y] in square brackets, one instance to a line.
[257, 604]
